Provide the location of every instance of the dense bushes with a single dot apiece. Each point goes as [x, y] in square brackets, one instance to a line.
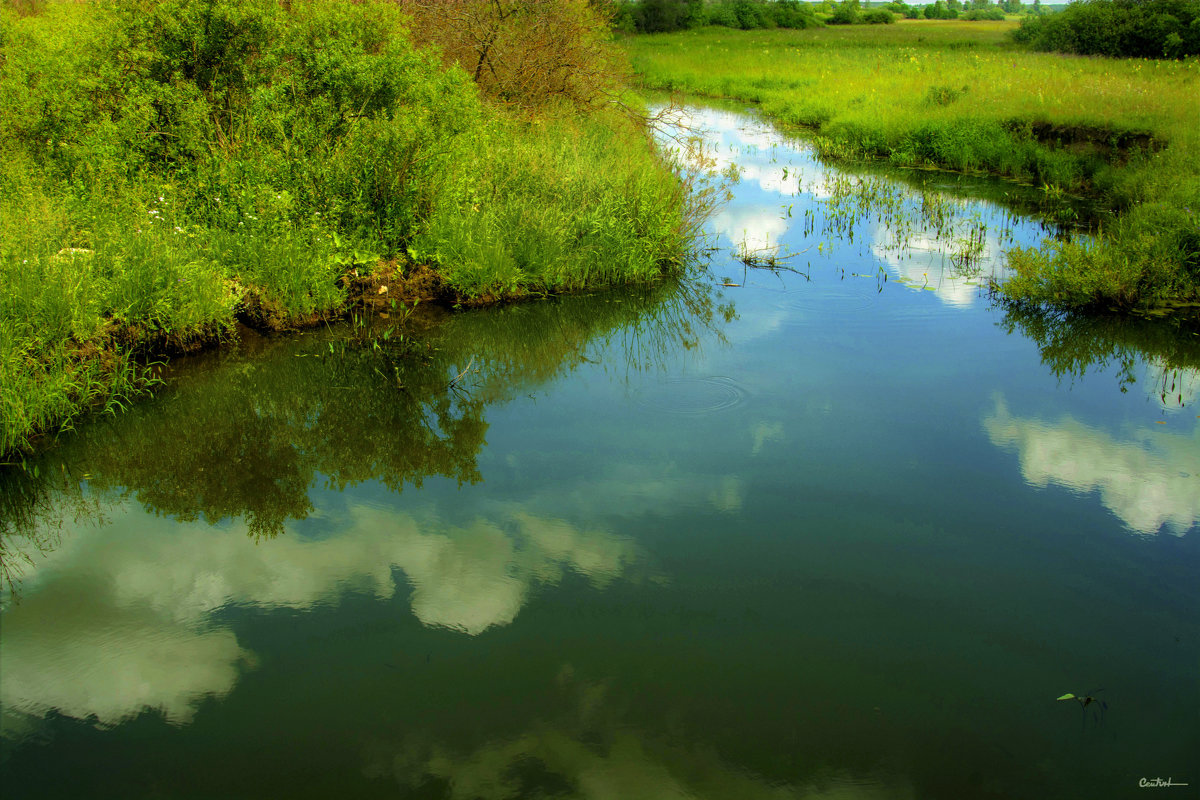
[1118, 29]
[994, 14]
[659, 16]
[848, 12]
[166, 165]
[902, 9]
[1150, 257]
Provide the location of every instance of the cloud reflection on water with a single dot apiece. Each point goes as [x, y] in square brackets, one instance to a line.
[589, 751]
[1150, 480]
[125, 617]
[925, 260]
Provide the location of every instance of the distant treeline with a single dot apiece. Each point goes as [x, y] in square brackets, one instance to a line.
[849, 12]
[660, 16]
[1118, 29]
[1114, 28]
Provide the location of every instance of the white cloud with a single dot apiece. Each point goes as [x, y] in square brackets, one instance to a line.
[1174, 388]
[1149, 480]
[630, 765]
[95, 660]
[751, 228]
[764, 432]
[121, 618]
[925, 260]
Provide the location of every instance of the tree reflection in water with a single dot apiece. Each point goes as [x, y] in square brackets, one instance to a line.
[1073, 345]
[248, 433]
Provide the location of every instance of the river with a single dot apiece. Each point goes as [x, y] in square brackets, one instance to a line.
[819, 520]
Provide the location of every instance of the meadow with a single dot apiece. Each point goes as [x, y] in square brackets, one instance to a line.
[961, 95]
[170, 168]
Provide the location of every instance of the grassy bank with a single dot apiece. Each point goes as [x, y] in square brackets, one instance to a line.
[961, 95]
[169, 167]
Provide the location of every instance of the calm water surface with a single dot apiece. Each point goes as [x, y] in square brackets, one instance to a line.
[837, 529]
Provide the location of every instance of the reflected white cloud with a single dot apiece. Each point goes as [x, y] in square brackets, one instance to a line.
[922, 259]
[122, 619]
[750, 228]
[754, 149]
[92, 660]
[635, 489]
[926, 261]
[764, 432]
[1173, 387]
[1150, 480]
[613, 761]
[728, 495]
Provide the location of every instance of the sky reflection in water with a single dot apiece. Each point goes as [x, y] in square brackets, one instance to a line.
[766, 534]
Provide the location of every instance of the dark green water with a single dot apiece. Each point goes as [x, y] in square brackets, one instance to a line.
[846, 531]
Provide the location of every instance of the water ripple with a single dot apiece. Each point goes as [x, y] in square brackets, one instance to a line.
[693, 396]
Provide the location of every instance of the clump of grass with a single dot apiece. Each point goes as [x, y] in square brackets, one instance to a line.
[48, 386]
[582, 203]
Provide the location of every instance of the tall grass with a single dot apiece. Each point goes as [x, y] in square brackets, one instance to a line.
[962, 96]
[553, 208]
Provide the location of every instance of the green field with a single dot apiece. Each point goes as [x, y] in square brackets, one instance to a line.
[960, 95]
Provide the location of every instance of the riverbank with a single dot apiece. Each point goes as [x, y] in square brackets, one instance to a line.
[173, 168]
[961, 95]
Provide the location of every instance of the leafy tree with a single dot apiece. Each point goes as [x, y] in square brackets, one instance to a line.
[940, 10]
[528, 53]
[847, 12]
[656, 16]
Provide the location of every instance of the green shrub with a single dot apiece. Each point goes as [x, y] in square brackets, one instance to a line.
[940, 10]
[1150, 256]
[878, 16]
[976, 14]
[1117, 29]
[661, 16]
